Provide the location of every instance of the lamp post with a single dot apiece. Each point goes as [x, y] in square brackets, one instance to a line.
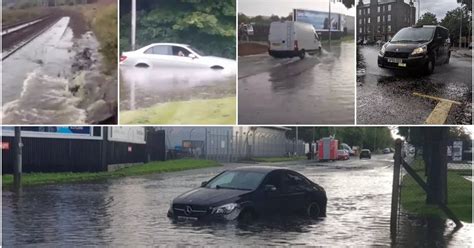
[134, 20]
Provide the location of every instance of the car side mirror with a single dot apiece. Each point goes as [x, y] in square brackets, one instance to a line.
[203, 184]
[192, 55]
[270, 188]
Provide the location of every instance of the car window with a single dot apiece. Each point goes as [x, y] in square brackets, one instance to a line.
[292, 182]
[414, 35]
[159, 50]
[274, 179]
[245, 180]
[180, 51]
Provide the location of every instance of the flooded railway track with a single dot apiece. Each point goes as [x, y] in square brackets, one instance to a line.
[17, 35]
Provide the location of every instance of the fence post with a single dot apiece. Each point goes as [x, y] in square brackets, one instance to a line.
[395, 188]
[17, 170]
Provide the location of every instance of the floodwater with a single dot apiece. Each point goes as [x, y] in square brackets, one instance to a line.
[132, 212]
[56, 79]
[316, 90]
[145, 87]
[386, 96]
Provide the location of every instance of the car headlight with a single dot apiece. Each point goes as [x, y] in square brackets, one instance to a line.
[419, 50]
[226, 208]
[382, 50]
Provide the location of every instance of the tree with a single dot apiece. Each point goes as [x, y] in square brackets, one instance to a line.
[466, 3]
[348, 3]
[427, 18]
[452, 21]
[206, 24]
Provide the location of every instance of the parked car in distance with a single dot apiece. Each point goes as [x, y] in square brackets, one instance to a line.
[173, 55]
[415, 48]
[249, 192]
[365, 153]
[386, 150]
[290, 39]
[342, 154]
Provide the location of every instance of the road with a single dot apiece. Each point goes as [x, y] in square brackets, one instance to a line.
[316, 90]
[386, 97]
[132, 212]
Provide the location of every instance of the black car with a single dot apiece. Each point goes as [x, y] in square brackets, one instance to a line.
[250, 192]
[418, 47]
[365, 153]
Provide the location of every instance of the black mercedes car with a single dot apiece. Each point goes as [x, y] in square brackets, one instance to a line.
[250, 192]
[415, 48]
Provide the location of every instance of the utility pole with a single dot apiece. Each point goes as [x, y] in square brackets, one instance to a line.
[395, 188]
[17, 170]
[296, 151]
[330, 23]
[134, 20]
[460, 30]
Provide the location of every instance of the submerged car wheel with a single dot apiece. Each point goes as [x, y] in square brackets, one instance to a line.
[247, 215]
[142, 65]
[217, 67]
[302, 54]
[429, 67]
[313, 210]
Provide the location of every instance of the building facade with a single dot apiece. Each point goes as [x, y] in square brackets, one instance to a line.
[381, 19]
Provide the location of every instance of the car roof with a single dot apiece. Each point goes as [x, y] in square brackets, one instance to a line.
[169, 44]
[257, 168]
[365, 150]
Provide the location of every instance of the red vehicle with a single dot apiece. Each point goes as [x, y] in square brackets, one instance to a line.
[327, 149]
[342, 155]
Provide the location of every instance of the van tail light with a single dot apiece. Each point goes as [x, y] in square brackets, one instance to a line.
[123, 58]
[296, 45]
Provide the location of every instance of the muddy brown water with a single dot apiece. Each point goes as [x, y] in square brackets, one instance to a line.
[132, 212]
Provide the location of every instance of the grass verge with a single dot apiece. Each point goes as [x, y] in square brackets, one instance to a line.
[459, 196]
[149, 168]
[279, 159]
[12, 16]
[203, 111]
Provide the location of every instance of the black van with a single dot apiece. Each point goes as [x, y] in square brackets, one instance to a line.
[417, 47]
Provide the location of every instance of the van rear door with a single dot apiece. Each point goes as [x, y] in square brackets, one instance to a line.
[281, 36]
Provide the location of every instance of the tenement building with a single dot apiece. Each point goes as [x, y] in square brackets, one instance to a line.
[381, 19]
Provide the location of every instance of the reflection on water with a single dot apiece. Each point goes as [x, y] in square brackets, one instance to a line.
[145, 87]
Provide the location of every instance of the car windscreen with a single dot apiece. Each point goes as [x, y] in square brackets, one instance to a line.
[414, 35]
[241, 180]
[199, 52]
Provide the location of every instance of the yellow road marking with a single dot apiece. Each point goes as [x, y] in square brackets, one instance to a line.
[439, 115]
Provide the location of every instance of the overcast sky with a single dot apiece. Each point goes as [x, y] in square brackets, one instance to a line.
[284, 7]
[438, 7]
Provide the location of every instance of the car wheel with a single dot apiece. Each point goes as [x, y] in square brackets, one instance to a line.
[313, 210]
[247, 215]
[142, 65]
[429, 67]
[217, 67]
[447, 59]
[302, 54]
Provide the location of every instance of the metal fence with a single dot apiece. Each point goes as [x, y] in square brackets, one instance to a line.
[420, 185]
[231, 146]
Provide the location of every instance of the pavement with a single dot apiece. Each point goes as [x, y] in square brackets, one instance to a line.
[390, 97]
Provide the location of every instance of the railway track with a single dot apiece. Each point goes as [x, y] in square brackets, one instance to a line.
[17, 35]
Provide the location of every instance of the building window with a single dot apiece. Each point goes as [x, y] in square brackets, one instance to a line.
[360, 21]
[389, 7]
[383, 18]
[378, 18]
[389, 28]
[389, 17]
[360, 11]
[378, 9]
[368, 20]
[368, 10]
[360, 30]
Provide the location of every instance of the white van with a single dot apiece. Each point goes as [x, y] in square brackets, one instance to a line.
[289, 39]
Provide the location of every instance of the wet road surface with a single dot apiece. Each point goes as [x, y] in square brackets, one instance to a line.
[145, 87]
[316, 90]
[57, 79]
[132, 212]
[386, 97]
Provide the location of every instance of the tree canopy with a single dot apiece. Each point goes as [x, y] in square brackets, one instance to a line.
[206, 24]
[452, 21]
[427, 18]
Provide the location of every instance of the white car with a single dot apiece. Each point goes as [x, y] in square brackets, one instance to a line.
[176, 56]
